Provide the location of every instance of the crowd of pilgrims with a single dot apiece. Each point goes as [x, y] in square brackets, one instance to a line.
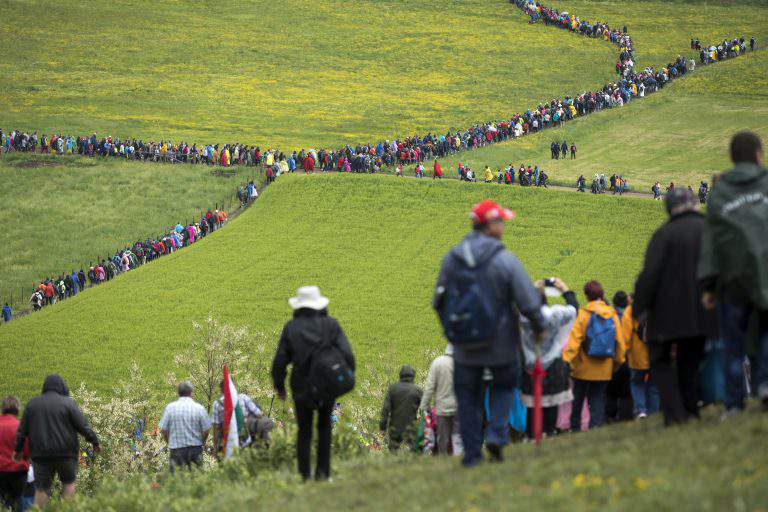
[414, 150]
[55, 289]
[631, 83]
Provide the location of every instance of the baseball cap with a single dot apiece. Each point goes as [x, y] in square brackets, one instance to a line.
[488, 210]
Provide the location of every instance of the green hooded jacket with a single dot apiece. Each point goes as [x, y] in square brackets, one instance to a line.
[734, 249]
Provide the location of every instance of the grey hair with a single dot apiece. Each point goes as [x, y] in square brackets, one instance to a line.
[185, 388]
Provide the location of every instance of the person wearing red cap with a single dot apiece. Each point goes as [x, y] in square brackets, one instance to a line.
[478, 286]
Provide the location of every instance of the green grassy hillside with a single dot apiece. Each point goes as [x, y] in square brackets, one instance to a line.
[680, 134]
[372, 243]
[63, 213]
[630, 467]
[247, 70]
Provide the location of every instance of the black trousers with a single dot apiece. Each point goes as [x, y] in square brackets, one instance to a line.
[304, 418]
[549, 423]
[675, 370]
[11, 488]
[185, 457]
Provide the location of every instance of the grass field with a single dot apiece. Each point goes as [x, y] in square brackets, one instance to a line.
[680, 134]
[628, 467]
[372, 243]
[63, 213]
[314, 73]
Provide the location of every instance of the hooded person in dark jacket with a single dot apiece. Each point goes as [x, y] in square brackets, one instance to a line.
[310, 326]
[398, 414]
[51, 423]
[493, 365]
[734, 264]
[667, 298]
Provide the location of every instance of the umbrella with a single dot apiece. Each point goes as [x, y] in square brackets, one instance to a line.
[537, 376]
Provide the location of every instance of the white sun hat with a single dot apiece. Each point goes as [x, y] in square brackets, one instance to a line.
[308, 297]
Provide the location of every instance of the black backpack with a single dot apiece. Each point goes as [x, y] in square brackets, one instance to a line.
[329, 376]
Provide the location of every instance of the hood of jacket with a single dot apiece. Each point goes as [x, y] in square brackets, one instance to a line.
[407, 373]
[743, 173]
[477, 248]
[56, 384]
[599, 307]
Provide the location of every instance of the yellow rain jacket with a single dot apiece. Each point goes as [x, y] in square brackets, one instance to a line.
[584, 367]
[488, 175]
[637, 350]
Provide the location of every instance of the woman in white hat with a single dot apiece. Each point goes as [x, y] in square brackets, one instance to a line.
[302, 335]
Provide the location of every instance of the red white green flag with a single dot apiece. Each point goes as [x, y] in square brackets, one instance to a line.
[234, 420]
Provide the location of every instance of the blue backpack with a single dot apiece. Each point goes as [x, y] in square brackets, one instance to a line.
[601, 337]
[469, 312]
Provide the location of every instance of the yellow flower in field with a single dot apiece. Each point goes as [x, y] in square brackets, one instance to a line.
[641, 484]
[554, 486]
[578, 480]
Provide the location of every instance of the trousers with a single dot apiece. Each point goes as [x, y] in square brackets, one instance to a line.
[305, 417]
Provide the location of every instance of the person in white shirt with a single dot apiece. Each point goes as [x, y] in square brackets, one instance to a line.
[185, 425]
[440, 387]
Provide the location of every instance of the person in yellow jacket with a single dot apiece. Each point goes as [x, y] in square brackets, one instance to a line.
[591, 374]
[488, 175]
[645, 395]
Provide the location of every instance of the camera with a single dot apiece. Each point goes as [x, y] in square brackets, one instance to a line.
[550, 283]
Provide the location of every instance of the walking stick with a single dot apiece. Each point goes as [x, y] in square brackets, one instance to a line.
[271, 403]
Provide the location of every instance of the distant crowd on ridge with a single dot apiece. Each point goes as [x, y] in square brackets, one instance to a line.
[411, 150]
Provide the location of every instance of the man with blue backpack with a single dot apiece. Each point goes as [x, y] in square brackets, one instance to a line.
[480, 293]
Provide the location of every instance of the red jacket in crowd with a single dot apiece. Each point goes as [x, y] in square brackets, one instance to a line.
[9, 425]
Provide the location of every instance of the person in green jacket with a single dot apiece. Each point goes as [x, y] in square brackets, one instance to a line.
[401, 405]
[733, 265]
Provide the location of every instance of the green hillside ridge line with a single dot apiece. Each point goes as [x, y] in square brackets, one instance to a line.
[571, 32]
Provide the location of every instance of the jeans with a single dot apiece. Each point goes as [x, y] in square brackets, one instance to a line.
[470, 389]
[594, 392]
[645, 394]
[734, 324]
[304, 417]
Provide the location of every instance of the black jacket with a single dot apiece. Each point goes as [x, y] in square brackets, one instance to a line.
[297, 342]
[667, 288]
[51, 422]
[401, 403]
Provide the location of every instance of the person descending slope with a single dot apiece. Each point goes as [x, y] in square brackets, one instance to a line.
[398, 413]
[478, 284]
[595, 350]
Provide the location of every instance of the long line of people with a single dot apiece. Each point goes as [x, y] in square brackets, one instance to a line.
[695, 284]
[372, 157]
[51, 290]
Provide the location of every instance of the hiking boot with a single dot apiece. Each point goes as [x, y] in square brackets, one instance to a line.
[494, 450]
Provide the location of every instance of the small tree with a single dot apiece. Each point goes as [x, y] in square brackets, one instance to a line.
[213, 344]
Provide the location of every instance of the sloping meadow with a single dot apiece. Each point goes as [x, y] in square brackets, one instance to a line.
[372, 243]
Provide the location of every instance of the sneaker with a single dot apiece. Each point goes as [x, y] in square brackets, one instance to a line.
[642, 416]
[730, 413]
[494, 450]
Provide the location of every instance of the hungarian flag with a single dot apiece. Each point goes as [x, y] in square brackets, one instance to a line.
[234, 420]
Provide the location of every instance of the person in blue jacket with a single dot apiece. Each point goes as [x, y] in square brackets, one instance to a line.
[7, 314]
